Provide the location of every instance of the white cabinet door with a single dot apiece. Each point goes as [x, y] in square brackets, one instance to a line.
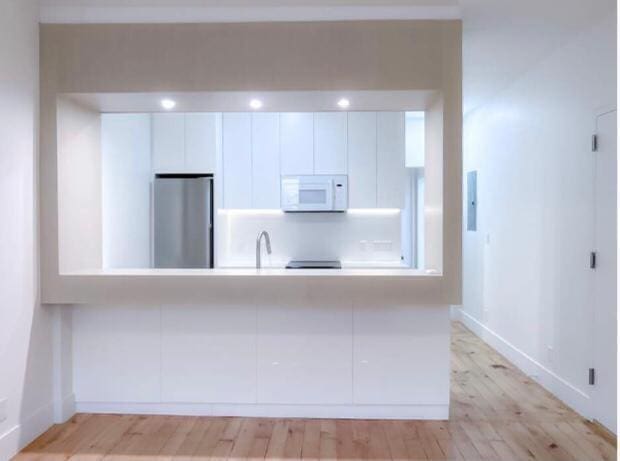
[265, 161]
[237, 160]
[390, 159]
[330, 143]
[297, 143]
[401, 354]
[200, 142]
[362, 159]
[168, 142]
[304, 353]
[208, 353]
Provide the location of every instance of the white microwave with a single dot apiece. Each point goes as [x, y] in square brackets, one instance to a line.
[314, 193]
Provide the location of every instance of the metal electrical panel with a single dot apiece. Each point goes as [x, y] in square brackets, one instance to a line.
[472, 200]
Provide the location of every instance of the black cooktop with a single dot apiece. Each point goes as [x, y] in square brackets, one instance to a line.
[314, 265]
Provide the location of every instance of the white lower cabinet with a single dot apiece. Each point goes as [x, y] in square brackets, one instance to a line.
[304, 354]
[401, 354]
[116, 353]
[208, 354]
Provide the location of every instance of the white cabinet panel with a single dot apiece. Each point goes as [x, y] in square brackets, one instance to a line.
[330, 143]
[297, 143]
[200, 142]
[391, 159]
[126, 182]
[209, 354]
[401, 354]
[362, 159]
[168, 142]
[237, 160]
[265, 160]
[116, 353]
[304, 354]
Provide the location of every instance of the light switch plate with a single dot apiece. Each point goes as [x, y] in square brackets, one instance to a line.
[3, 409]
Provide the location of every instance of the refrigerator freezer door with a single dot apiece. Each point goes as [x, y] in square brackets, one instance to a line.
[182, 222]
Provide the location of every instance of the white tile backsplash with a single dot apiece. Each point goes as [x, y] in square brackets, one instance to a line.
[352, 238]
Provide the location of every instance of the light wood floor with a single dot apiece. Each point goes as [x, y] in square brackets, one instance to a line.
[497, 413]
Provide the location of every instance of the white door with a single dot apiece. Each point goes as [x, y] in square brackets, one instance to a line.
[605, 300]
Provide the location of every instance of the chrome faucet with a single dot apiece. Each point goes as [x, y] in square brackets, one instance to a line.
[267, 244]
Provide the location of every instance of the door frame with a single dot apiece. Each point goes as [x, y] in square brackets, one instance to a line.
[594, 395]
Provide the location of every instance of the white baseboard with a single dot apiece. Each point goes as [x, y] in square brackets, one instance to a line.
[64, 409]
[20, 435]
[434, 412]
[558, 386]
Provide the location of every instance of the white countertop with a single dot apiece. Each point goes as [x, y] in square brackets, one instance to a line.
[264, 272]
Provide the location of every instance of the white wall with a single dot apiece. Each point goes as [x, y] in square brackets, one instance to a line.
[79, 186]
[527, 284]
[354, 238]
[25, 327]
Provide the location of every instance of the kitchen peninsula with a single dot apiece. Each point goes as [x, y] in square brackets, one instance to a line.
[232, 339]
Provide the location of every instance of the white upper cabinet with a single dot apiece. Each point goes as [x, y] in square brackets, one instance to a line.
[362, 159]
[200, 142]
[265, 160]
[168, 142]
[330, 143]
[237, 159]
[391, 159]
[297, 143]
[184, 143]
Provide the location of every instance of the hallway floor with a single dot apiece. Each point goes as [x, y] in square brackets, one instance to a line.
[497, 413]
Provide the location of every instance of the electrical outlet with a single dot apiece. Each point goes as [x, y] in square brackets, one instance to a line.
[382, 245]
[3, 410]
[550, 354]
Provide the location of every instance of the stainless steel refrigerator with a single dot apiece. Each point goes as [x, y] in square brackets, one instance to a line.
[183, 221]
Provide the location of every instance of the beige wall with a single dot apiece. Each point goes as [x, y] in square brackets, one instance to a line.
[79, 186]
[371, 55]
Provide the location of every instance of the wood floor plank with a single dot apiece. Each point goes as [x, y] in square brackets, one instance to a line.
[497, 413]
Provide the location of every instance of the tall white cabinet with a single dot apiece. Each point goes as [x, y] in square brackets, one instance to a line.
[391, 159]
[237, 159]
[362, 146]
[297, 143]
[265, 160]
[330, 143]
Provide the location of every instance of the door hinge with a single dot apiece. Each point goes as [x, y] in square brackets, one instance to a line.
[591, 376]
[593, 260]
[594, 143]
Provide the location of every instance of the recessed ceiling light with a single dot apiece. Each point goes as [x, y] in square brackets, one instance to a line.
[168, 104]
[344, 103]
[256, 104]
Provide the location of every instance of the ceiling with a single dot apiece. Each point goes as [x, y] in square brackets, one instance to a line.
[502, 39]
